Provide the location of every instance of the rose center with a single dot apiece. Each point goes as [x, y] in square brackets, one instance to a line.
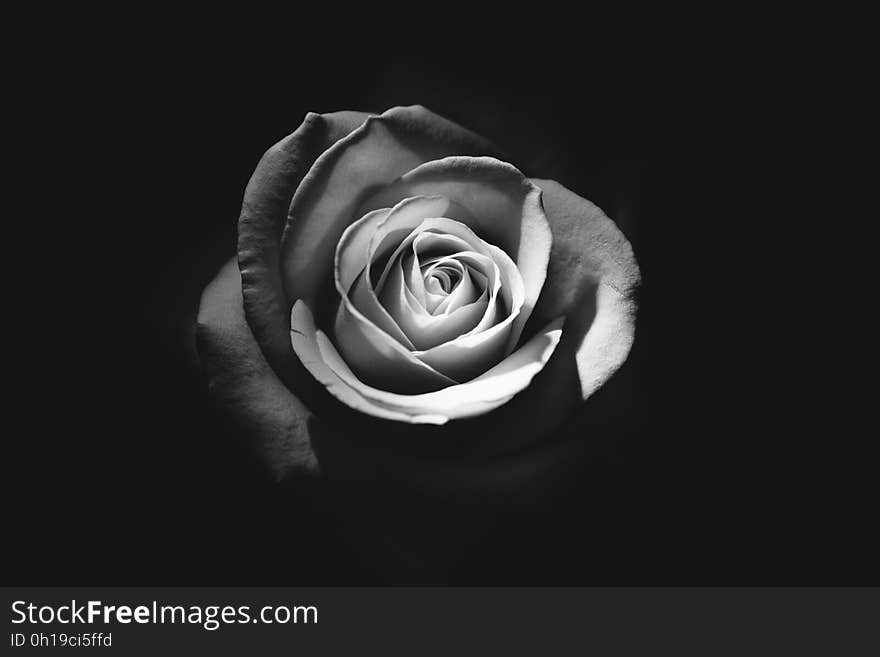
[442, 277]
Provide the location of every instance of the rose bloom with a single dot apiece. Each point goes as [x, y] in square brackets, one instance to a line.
[395, 276]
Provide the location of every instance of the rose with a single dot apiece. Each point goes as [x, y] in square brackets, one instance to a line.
[335, 223]
[400, 355]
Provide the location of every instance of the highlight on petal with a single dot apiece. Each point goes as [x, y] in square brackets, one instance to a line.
[486, 259]
[458, 313]
[380, 358]
[503, 207]
[370, 340]
[354, 253]
[480, 395]
[426, 329]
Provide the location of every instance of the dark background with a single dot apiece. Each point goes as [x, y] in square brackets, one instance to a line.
[694, 469]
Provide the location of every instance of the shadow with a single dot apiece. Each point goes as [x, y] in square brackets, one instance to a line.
[510, 456]
[414, 519]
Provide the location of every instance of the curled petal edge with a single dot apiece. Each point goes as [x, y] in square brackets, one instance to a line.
[480, 395]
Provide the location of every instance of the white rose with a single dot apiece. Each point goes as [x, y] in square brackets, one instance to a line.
[417, 277]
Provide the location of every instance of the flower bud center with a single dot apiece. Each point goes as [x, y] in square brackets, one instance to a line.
[442, 277]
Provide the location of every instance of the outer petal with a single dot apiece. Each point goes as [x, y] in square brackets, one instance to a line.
[374, 155]
[590, 251]
[490, 390]
[263, 215]
[242, 381]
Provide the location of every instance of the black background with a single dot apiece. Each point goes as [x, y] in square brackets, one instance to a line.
[696, 471]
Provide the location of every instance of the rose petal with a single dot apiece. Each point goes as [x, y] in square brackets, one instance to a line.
[352, 259]
[472, 353]
[423, 329]
[492, 389]
[432, 242]
[505, 210]
[241, 380]
[511, 284]
[450, 229]
[352, 275]
[468, 355]
[325, 204]
[263, 215]
[377, 354]
[379, 358]
[366, 234]
[589, 249]
[451, 294]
